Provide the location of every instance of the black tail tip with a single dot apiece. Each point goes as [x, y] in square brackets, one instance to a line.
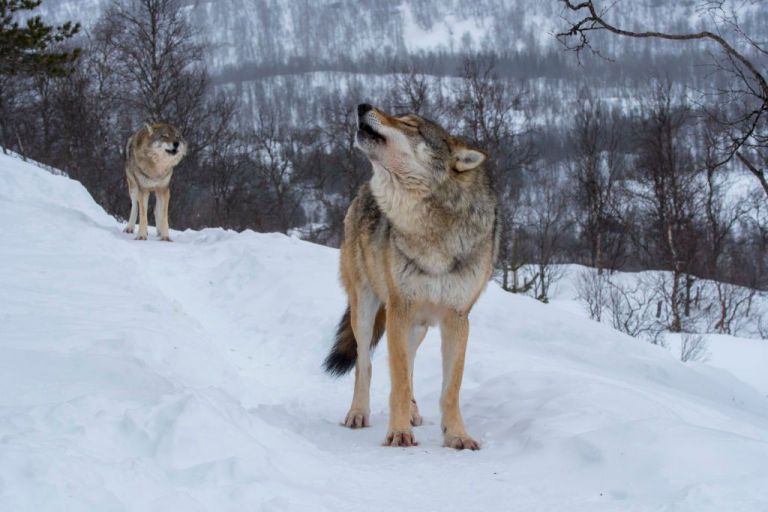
[344, 352]
[338, 364]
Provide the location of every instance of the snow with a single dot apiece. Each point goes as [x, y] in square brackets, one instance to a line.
[746, 358]
[143, 376]
[448, 34]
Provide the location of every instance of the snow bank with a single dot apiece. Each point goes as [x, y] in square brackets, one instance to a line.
[744, 356]
[150, 376]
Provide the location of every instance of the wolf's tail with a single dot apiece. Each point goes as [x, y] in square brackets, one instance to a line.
[344, 352]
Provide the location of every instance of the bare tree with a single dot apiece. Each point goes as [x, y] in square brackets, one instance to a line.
[720, 217]
[492, 112]
[753, 239]
[11, 100]
[733, 306]
[157, 58]
[592, 290]
[669, 195]
[514, 250]
[419, 92]
[749, 129]
[596, 169]
[275, 149]
[762, 325]
[547, 224]
[732, 302]
[221, 188]
[337, 169]
[635, 308]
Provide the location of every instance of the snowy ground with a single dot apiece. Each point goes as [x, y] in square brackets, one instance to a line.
[745, 357]
[146, 376]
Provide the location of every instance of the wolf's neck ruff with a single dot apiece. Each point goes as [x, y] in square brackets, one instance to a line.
[436, 230]
[401, 199]
[144, 173]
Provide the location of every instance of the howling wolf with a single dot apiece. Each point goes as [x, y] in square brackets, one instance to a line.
[420, 242]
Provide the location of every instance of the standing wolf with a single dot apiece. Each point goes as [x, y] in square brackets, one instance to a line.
[150, 156]
[420, 242]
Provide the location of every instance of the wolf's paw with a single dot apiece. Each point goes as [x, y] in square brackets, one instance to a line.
[400, 439]
[416, 419]
[461, 442]
[357, 419]
[166, 239]
[141, 237]
[128, 229]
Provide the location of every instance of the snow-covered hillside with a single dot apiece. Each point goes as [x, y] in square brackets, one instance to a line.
[147, 376]
[744, 354]
[306, 33]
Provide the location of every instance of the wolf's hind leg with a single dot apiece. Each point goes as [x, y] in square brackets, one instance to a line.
[143, 200]
[134, 210]
[414, 341]
[365, 311]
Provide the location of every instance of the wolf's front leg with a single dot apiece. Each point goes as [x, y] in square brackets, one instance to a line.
[133, 193]
[399, 321]
[162, 198]
[454, 331]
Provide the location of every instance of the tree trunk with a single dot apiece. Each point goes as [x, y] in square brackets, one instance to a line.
[674, 302]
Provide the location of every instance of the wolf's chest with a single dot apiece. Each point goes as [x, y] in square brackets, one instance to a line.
[456, 285]
[149, 181]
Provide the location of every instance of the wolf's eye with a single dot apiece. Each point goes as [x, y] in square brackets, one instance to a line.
[410, 124]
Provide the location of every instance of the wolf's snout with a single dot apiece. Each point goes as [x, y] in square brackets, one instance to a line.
[368, 125]
[176, 145]
[363, 109]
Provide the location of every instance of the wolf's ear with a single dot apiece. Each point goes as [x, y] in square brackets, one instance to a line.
[148, 127]
[466, 159]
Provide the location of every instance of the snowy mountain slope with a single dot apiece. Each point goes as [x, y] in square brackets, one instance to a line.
[278, 32]
[186, 376]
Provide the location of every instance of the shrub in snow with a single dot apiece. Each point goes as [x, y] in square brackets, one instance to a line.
[693, 347]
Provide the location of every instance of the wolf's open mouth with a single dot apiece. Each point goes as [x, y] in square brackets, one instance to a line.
[367, 131]
[171, 151]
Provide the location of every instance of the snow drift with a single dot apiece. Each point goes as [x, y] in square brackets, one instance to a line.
[145, 376]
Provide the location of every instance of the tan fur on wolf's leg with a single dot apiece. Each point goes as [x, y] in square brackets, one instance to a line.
[132, 191]
[166, 206]
[414, 341]
[162, 198]
[143, 199]
[399, 322]
[454, 331]
[132, 217]
[158, 212]
[364, 306]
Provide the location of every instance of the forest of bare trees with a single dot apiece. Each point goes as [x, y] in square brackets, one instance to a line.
[645, 188]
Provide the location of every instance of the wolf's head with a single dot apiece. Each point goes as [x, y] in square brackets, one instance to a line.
[413, 149]
[166, 143]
